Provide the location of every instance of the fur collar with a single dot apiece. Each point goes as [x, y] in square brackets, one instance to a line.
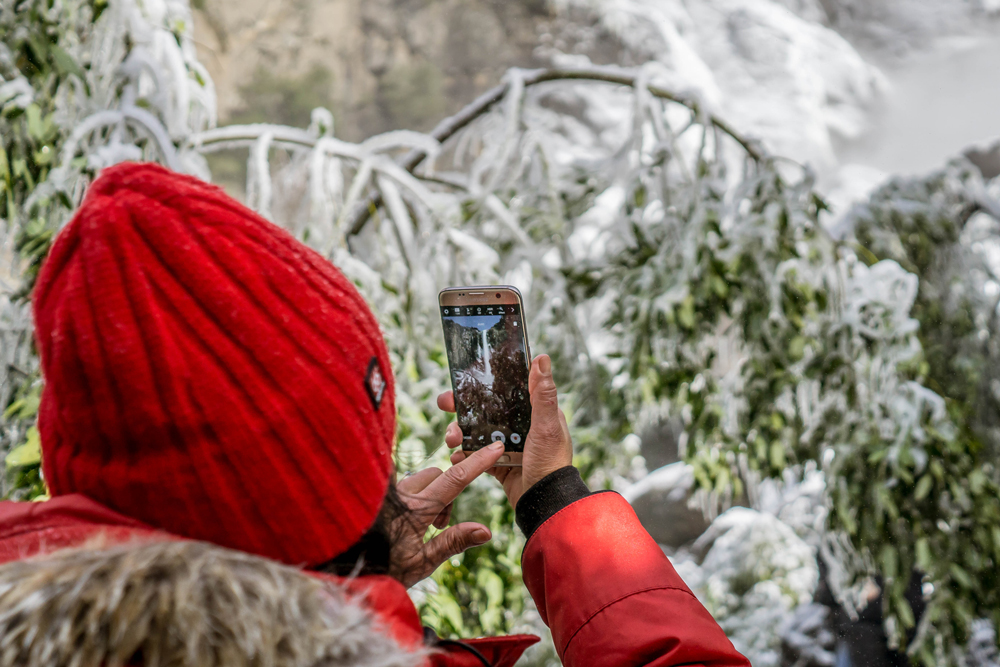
[181, 604]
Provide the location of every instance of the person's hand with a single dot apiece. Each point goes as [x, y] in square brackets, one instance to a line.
[428, 495]
[548, 446]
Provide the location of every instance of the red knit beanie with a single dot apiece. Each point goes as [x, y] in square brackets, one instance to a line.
[209, 375]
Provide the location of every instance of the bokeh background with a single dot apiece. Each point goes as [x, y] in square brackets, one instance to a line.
[760, 239]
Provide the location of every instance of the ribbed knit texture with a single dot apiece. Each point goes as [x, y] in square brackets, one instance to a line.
[555, 491]
[205, 372]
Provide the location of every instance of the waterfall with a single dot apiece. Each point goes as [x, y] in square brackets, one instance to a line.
[487, 375]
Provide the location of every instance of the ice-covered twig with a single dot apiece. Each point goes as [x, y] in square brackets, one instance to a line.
[241, 136]
[259, 175]
[453, 124]
[132, 115]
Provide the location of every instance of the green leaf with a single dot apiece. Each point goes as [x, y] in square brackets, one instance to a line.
[886, 503]
[4, 168]
[777, 455]
[977, 482]
[797, 348]
[65, 62]
[686, 313]
[960, 576]
[722, 480]
[923, 551]
[491, 583]
[639, 196]
[720, 287]
[446, 606]
[777, 421]
[36, 129]
[44, 156]
[902, 607]
[28, 454]
[39, 49]
[924, 487]
[890, 562]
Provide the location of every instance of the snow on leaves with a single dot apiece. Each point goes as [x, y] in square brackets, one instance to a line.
[671, 267]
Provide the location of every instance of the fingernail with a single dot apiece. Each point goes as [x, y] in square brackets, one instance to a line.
[545, 364]
[496, 447]
[481, 536]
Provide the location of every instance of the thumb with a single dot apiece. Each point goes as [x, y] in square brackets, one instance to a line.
[548, 425]
[454, 541]
[548, 446]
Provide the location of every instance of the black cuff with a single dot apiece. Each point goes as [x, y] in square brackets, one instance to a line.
[553, 492]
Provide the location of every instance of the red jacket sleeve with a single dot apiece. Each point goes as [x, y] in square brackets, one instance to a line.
[611, 597]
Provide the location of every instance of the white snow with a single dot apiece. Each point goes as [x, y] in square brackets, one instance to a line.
[776, 74]
[751, 570]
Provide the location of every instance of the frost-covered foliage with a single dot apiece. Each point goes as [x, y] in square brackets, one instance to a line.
[672, 269]
[83, 84]
[983, 645]
[948, 235]
[806, 638]
[833, 371]
[940, 508]
[751, 570]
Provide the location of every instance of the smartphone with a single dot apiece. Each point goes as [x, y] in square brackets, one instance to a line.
[489, 358]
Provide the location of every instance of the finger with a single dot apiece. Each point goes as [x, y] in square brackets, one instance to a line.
[446, 488]
[548, 441]
[548, 425]
[453, 435]
[455, 540]
[541, 368]
[442, 519]
[418, 481]
[446, 401]
[500, 473]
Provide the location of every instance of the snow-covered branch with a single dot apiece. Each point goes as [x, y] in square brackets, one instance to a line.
[450, 126]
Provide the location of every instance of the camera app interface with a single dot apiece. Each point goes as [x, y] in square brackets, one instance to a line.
[489, 373]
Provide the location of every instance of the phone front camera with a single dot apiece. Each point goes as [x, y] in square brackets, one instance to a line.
[498, 295]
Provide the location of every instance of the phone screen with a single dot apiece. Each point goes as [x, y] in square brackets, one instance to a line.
[489, 374]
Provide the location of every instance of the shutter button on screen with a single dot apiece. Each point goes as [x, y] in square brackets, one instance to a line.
[515, 438]
[497, 436]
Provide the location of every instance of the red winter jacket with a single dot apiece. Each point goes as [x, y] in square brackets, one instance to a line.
[601, 583]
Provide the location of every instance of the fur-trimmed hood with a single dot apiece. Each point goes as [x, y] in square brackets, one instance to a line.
[174, 604]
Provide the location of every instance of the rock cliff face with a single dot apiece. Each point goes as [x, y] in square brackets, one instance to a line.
[377, 64]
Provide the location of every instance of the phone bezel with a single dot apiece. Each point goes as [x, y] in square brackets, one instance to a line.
[486, 295]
